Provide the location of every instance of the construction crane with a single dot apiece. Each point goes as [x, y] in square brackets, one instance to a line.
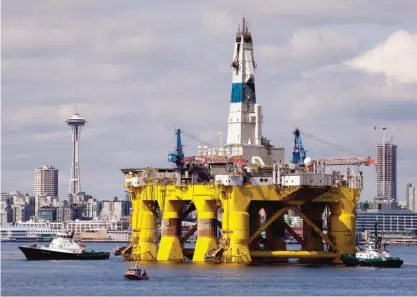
[359, 160]
[299, 154]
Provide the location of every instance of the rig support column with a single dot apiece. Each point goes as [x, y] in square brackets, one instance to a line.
[313, 240]
[236, 226]
[314, 212]
[170, 248]
[343, 221]
[134, 238]
[146, 248]
[206, 228]
[255, 224]
[275, 233]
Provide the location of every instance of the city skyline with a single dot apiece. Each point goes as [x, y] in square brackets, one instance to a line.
[321, 69]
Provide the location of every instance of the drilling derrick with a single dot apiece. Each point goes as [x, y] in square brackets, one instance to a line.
[245, 179]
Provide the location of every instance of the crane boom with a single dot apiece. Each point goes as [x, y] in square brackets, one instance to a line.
[345, 161]
[360, 160]
[197, 139]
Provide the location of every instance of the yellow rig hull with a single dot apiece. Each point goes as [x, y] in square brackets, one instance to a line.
[240, 241]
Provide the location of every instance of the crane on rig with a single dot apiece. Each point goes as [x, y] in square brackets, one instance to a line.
[178, 157]
[299, 154]
[299, 150]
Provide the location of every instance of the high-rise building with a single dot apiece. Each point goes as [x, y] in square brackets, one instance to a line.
[75, 122]
[411, 198]
[112, 210]
[46, 181]
[386, 179]
[92, 208]
[64, 213]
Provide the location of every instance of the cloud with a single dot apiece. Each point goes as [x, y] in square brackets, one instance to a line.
[137, 71]
[308, 48]
[396, 57]
[352, 11]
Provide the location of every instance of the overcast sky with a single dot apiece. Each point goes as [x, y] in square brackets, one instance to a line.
[136, 70]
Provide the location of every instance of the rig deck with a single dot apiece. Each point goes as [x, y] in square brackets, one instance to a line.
[155, 195]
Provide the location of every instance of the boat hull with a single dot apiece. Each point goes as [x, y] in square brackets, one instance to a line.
[44, 254]
[391, 262]
[132, 276]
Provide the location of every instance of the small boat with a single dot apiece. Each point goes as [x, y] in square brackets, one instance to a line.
[373, 256]
[62, 247]
[135, 273]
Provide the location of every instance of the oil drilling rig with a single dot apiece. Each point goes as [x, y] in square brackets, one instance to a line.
[239, 179]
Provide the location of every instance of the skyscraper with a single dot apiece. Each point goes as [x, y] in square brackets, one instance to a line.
[46, 181]
[411, 198]
[386, 179]
[75, 122]
[46, 186]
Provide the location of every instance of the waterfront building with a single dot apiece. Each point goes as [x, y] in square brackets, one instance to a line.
[79, 225]
[47, 213]
[388, 220]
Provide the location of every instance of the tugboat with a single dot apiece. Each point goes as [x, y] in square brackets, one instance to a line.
[373, 256]
[62, 247]
[135, 273]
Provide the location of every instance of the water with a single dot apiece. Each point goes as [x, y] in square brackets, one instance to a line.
[70, 278]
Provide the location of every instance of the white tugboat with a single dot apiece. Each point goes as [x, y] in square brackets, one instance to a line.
[374, 255]
[62, 247]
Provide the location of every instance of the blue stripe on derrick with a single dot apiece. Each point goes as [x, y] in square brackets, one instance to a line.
[243, 92]
[237, 93]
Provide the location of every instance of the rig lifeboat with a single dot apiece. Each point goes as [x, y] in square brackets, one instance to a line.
[135, 273]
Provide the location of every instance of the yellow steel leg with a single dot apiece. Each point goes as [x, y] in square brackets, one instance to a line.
[343, 221]
[147, 233]
[236, 227]
[206, 228]
[170, 248]
[134, 239]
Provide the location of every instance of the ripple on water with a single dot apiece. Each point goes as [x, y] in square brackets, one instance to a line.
[28, 278]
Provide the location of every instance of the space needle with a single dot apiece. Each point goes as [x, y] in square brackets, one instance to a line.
[75, 122]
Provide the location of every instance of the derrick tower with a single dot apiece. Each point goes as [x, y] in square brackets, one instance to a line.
[244, 134]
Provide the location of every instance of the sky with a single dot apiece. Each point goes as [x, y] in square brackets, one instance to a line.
[136, 70]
